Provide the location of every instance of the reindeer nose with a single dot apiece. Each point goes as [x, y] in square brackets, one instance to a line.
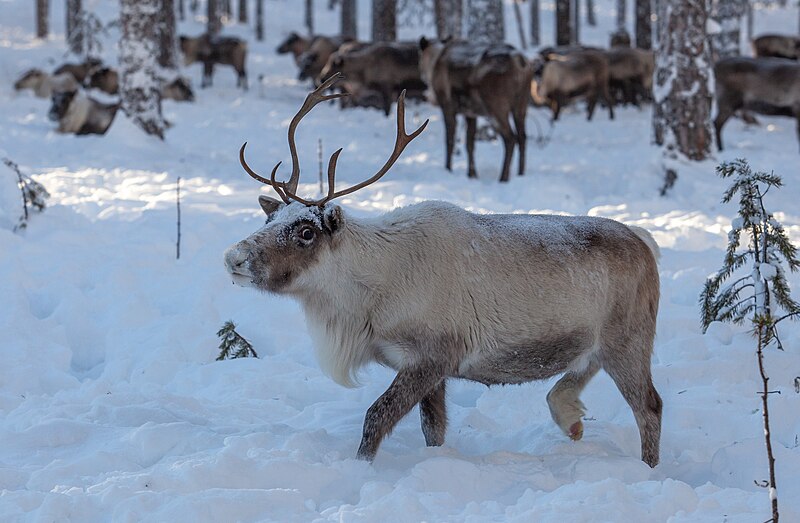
[235, 258]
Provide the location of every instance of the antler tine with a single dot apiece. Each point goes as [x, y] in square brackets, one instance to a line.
[314, 97]
[271, 182]
[400, 144]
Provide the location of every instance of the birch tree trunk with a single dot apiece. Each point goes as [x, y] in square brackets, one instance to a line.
[563, 25]
[682, 105]
[74, 29]
[644, 24]
[138, 49]
[485, 22]
[42, 18]
[384, 20]
[168, 42]
[449, 16]
[348, 24]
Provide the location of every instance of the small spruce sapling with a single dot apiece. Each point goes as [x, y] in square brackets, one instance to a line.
[232, 345]
[757, 294]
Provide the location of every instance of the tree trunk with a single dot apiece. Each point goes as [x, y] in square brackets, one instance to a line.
[310, 16]
[242, 11]
[42, 18]
[138, 48]
[168, 43]
[591, 15]
[644, 24]
[74, 27]
[348, 20]
[225, 9]
[576, 22]
[485, 22]
[728, 17]
[384, 20]
[621, 14]
[563, 26]
[260, 20]
[518, 16]
[214, 24]
[181, 10]
[682, 108]
[449, 16]
[535, 37]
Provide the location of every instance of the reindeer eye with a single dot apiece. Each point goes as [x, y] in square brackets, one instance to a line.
[307, 234]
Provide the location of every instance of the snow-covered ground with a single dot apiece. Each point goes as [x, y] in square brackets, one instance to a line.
[113, 408]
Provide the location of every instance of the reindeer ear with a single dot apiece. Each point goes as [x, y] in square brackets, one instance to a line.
[423, 43]
[333, 218]
[269, 205]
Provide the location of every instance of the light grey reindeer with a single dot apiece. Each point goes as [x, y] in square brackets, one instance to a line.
[436, 292]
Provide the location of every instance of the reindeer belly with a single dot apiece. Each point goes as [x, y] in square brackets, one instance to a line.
[537, 359]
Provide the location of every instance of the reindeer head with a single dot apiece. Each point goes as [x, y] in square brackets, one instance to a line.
[31, 79]
[60, 102]
[299, 233]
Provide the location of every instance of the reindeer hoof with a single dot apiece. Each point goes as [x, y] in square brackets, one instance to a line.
[576, 431]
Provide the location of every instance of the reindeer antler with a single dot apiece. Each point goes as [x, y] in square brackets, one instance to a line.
[287, 190]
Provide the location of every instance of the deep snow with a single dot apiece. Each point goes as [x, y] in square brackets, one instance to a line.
[113, 408]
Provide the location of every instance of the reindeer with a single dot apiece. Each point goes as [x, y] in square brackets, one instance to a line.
[763, 85]
[210, 50]
[77, 113]
[778, 46]
[44, 85]
[385, 68]
[313, 61]
[571, 73]
[180, 90]
[80, 71]
[106, 79]
[436, 293]
[295, 44]
[630, 74]
[479, 80]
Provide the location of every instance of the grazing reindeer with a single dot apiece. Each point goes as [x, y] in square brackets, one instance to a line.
[44, 85]
[312, 62]
[436, 292]
[226, 50]
[77, 113]
[763, 85]
[777, 46]
[479, 80]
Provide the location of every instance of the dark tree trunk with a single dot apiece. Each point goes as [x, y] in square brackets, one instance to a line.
[310, 16]
[591, 16]
[168, 43]
[74, 27]
[682, 108]
[384, 20]
[518, 16]
[535, 37]
[42, 18]
[138, 50]
[644, 24]
[621, 14]
[348, 19]
[214, 24]
[563, 19]
[225, 9]
[449, 16]
[485, 22]
[181, 10]
[576, 22]
[242, 11]
[260, 20]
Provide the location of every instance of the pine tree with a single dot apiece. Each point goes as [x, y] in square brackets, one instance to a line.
[168, 42]
[485, 21]
[242, 11]
[535, 34]
[384, 20]
[563, 22]
[260, 20]
[42, 18]
[348, 19]
[140, 91]
[74, 33]
[621, 7]
[213, 17]
[33, 194]
[644, 23]
[232, 345]
[758, 293]
[449, 15]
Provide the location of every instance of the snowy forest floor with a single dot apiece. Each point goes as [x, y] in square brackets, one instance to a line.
[113, 408]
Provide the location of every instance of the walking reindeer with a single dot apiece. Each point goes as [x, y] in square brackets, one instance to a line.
[436, 292]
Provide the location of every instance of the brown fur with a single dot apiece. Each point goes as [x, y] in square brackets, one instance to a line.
[226, 50]
[630, 74]
[762, 85]
[778, 46]
[313, 60]
[80, 71]
[490, 81]
[105, 79]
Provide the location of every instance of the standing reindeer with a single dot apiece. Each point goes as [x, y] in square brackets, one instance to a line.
[436, 292]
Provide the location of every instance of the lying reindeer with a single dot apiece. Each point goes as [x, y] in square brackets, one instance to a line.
[44, 85]
[226, 50]
[77, 113]
[479, 80]
[777, 46]
[436, 292]
[763, 85]
[106, 79]
[80, 71]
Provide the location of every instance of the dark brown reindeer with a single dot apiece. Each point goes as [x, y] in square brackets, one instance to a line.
[777, 46]
[210, 50]
[436, 292]
[492, 81]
